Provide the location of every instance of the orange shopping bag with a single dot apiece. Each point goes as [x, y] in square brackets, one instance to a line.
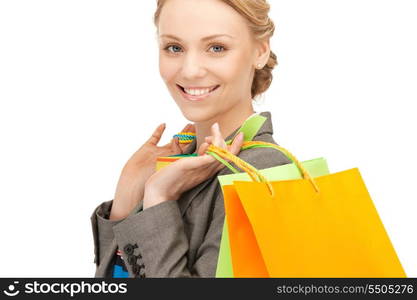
[312, 227]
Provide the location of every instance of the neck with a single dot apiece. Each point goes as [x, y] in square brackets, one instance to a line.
[228, 122]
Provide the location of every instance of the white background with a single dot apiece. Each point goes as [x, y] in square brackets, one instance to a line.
[80, 91]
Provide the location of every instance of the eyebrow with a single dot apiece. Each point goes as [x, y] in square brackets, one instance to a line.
[210, 37]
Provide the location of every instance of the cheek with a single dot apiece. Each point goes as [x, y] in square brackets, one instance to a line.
[236, 69]
[168, 68]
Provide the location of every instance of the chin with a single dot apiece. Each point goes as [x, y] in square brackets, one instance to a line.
[197, 115]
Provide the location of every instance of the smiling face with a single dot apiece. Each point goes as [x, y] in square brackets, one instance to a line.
[206, 59]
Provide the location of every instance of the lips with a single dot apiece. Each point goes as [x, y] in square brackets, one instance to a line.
[198, 97]
[212, 88]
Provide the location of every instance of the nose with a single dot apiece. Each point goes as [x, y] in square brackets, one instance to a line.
[193, 66]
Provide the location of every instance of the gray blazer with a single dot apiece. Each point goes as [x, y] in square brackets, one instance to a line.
[176, 238]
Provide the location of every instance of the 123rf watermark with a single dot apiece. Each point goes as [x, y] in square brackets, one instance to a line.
[366, 289]
[70, 289]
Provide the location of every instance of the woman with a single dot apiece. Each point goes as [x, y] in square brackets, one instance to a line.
[214, 59]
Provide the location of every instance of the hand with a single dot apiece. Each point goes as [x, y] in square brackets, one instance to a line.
[139, 168]
[171, 181]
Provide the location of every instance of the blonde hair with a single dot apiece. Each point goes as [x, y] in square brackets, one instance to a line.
[256, 14]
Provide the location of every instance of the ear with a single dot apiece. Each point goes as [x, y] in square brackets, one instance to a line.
[263, 52]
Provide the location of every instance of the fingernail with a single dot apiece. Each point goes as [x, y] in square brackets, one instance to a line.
[216, 126]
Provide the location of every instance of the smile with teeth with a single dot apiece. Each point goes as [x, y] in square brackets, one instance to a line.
[199, 91]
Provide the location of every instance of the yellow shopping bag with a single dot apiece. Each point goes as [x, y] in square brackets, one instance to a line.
[321, 227]
[239, 254]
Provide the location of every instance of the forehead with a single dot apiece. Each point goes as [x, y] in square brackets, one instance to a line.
[194, 19]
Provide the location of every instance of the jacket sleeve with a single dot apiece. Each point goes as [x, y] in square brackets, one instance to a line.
[154, 242]
[160, 244]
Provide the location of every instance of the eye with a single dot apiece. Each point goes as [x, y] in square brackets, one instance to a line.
[175, 48]
[218, 48]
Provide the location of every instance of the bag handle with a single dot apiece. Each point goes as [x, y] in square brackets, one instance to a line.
[250, 128]
[221, 154]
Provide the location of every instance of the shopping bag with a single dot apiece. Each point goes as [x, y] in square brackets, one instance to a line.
[163, 161]
[252, 264]
[248, 260]
[325, 226]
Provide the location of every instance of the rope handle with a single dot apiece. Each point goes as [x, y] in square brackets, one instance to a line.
[251, 170]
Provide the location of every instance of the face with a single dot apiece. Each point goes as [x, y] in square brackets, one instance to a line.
[207, 56]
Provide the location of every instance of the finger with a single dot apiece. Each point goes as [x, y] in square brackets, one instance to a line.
[217, 136]
[157, 134]
[208, 160]
[216, 166]
[237, 144]
[214, 163]
[202, 149]
[202, 163]
[186, 128]
[208, 139]
[191, 128]
[219, 168]
[175, 146]
[184, 146]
